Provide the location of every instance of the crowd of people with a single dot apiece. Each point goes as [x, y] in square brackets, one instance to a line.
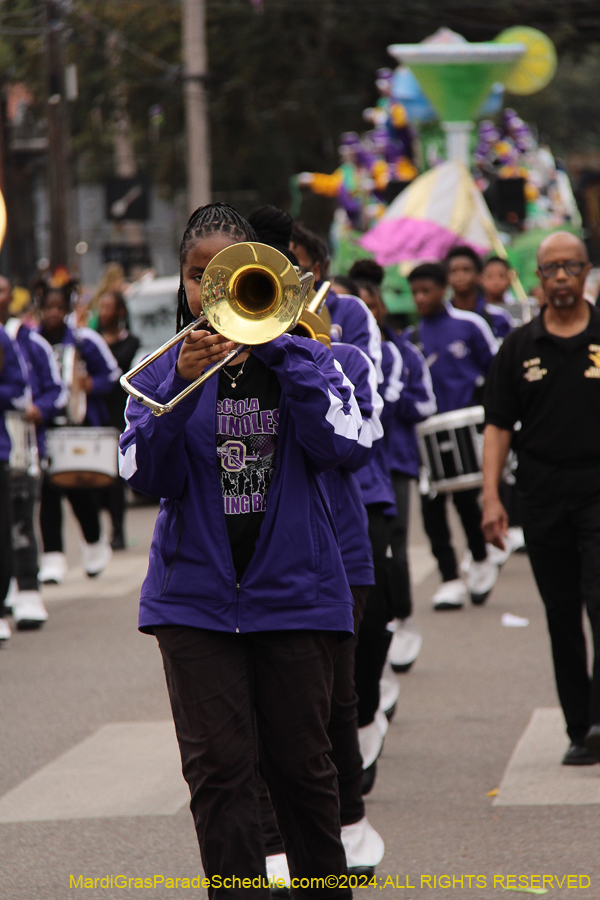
[57, 372]
[278, 586]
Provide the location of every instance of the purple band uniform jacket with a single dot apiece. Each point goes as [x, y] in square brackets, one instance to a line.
[48, 392]
[458, 347]
[498, 318]
[343, 488]
[100, 365]
[375, 477]
[416, 403]
[295, 579]
[12, 387]
[352, 322]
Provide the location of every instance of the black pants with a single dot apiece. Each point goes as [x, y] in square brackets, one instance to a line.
[561, 522]
[84, 503]
[399, 544]
[342, 732]
[113, 499]
[250, 704]
[5, 542]
[24, 492]
[373, 637]
[435, 521]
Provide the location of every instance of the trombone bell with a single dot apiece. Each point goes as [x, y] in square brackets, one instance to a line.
[251, 293]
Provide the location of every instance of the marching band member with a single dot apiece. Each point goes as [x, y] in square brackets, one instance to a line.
[416, 403]
[12, 396]
[351, 321]
[464, 268]
[363, 845]
[458, 347]
[47, 396]
[102, 373]
[246, 591]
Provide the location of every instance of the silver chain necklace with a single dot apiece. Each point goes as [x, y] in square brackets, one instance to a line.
[234, 378]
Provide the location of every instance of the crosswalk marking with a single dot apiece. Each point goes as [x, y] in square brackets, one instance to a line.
[534, 775]
[122, 576]
[123, 769]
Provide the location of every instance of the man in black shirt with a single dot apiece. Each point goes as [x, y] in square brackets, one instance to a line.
[546, 376]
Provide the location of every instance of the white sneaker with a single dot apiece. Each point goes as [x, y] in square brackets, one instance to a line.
[53, 569]
[10, 597]
[516, 538]
[5, 631]
[513, 541]
[370, 741]
[278, 873]
[363, 845]
[389, 691]
[382, 723]
[406, 645]
[497, 556]
[481, 578]
[466, 562]
[95, 557]
[29, 611]
[450, 595]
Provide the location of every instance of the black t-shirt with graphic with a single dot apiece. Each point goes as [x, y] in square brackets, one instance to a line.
[247, 428]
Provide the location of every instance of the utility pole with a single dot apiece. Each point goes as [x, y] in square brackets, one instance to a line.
[58, 174]
[193, 25]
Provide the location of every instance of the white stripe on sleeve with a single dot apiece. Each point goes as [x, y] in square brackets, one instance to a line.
[394, 385]
[103, 347]
[372, 429]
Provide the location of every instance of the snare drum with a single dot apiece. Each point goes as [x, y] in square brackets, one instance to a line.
[450, 447]
[23, 458]
[82, 457]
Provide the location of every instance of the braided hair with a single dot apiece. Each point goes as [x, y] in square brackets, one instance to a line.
[214, 218]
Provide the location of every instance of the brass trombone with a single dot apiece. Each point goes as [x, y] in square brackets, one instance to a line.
[251, 294]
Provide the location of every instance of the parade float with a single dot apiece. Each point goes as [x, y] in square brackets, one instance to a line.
[444, 163]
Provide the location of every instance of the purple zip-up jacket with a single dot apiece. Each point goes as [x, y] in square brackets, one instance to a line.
[101, 366]
[416, 403]
[458, 347]
[352, 322]
[374, 477]
[48, 392]
[499, 319]
[342, 485]
[295, 579]
[12, 387]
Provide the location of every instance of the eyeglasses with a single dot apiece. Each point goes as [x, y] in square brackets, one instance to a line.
[571, 267]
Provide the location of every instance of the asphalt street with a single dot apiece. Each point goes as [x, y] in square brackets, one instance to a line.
[89, 778]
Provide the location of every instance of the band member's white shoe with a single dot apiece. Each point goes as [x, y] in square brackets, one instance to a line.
[516, 538]
[5, 632]
[481, 578]
[389, 691]
[95, 557]
[29, 611]
[450, 595]
[278, 873]
[10, 597]
[514, 541]
[364, 847]
[53, 569]
[406, 645]
[370, 740]
[497, 556]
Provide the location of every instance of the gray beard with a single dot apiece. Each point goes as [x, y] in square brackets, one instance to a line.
[563, 303]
